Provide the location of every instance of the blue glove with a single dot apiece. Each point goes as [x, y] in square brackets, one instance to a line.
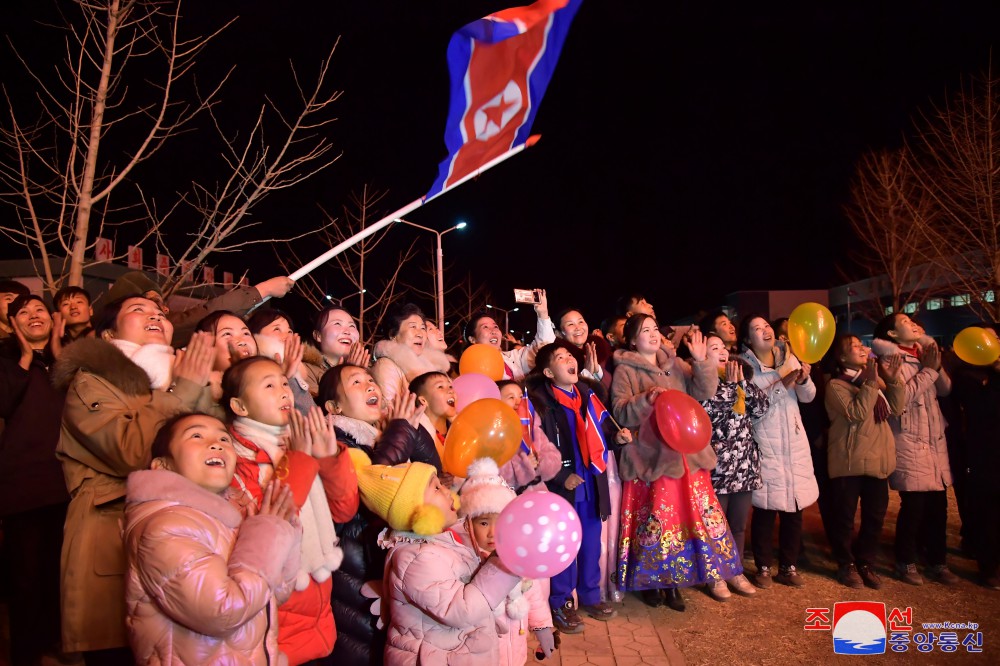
[546, 643]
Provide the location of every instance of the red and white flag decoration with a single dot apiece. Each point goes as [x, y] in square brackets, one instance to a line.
[104, 249]
[135, 257]
[163, 264]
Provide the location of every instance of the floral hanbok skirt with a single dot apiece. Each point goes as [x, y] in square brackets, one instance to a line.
[674, 534]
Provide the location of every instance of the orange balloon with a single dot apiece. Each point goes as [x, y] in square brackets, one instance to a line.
[975, 345]
[811, 330]
[487, 428]
[482, 359]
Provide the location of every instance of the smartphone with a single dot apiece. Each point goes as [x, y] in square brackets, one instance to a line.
[528, 296]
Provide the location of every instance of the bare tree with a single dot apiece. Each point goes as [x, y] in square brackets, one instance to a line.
[114, 102]
[889, 212]
[957, 162]
[376, 288]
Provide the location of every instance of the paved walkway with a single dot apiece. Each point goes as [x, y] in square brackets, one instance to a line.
[639, 635]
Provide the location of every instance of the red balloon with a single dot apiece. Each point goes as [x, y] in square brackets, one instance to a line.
[682, 422]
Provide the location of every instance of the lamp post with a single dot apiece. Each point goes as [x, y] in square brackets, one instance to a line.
[440, 264]
[330, 297]
[506, 316]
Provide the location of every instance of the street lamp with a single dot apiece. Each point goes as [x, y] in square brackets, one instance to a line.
[506, 316]
[330, 298]
[440, 264]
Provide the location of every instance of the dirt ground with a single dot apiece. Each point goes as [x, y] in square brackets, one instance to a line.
[768, 628]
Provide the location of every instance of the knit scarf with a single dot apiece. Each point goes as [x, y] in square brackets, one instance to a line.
[882, 411]
[589, 437]
[265, 444]
[740, 406]
[157, 361]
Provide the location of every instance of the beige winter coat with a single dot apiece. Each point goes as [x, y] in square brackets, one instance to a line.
[109, 421]
[856, 444]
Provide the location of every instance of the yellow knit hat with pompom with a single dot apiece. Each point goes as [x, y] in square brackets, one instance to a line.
[396, 494]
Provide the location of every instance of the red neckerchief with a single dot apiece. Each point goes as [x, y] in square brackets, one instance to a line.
[455, 534]
[912, 351]
[248, 469]
[590, 443]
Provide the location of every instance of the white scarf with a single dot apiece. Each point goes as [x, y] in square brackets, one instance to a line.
[156, 360]
[320, 555]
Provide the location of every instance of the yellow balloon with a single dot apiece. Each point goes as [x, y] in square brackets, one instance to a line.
[811, 330]
[978, 346]
[487, 428]
[482, 359]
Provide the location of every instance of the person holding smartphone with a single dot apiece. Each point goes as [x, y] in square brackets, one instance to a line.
[483, 329]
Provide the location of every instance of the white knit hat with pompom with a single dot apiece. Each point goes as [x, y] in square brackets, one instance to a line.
[484, 490]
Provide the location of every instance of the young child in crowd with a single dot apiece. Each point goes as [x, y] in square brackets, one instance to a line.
[440, 601]
[436, 394]
[573, 418]
[257, 397]
[203, 583]
[484, 495]
[537, 460]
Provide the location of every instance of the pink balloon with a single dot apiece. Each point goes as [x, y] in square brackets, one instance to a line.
[473, 386]
[538, 535]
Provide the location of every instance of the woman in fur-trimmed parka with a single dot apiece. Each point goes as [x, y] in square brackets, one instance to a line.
[120, 388]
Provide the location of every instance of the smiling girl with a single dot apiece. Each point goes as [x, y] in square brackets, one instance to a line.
[257, 395]
[203, 584]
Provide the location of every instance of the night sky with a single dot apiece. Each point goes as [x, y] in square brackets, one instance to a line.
[687, 152]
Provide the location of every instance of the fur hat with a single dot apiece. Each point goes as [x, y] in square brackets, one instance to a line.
[396, 494]
[484, 490]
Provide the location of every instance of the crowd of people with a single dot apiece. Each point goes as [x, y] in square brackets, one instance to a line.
[221, 485]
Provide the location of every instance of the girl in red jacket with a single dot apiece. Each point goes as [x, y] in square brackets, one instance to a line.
[274, 441]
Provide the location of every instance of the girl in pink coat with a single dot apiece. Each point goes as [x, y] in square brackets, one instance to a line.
[201, 587]
[438, 602]
[484, 496]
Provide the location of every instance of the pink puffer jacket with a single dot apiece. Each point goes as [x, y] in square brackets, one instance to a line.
[439, 609]
[201, 588]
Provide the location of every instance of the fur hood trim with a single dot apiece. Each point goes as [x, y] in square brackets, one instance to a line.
[431, 360]
[311, 354]
[164, 486]
[103, 359]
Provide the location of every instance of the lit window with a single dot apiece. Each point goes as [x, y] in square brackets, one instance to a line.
[958, 301]
[889, 310]
[934, 304]
[910, 307]
[989, 296]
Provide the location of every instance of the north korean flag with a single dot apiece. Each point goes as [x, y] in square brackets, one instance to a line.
[500, 67]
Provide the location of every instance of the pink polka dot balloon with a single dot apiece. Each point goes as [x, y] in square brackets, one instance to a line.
[538, 535]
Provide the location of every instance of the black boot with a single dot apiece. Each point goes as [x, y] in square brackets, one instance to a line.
[652, 598]
[674, 599]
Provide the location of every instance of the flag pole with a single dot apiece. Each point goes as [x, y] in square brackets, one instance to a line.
[408, 208]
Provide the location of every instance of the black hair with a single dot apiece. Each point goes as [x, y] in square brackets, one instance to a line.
[161, 441]
[886, 324]
[470, 327]
[776, 324]
[544, 356]
[107, 318]
[417, 385]
[330, 383]
[21, 301]
[707, 322]
[395, 318]
[610, 322]
[557, 320]
[266, 316]
[324, 315]
[234, 380]
[508, 382]
[743, 334]
[210, 322]
[71, 290]
[632, 327]
[837, 349]
[14, 287]
[624, 303]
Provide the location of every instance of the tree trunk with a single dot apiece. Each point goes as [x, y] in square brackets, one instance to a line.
[86, 193]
